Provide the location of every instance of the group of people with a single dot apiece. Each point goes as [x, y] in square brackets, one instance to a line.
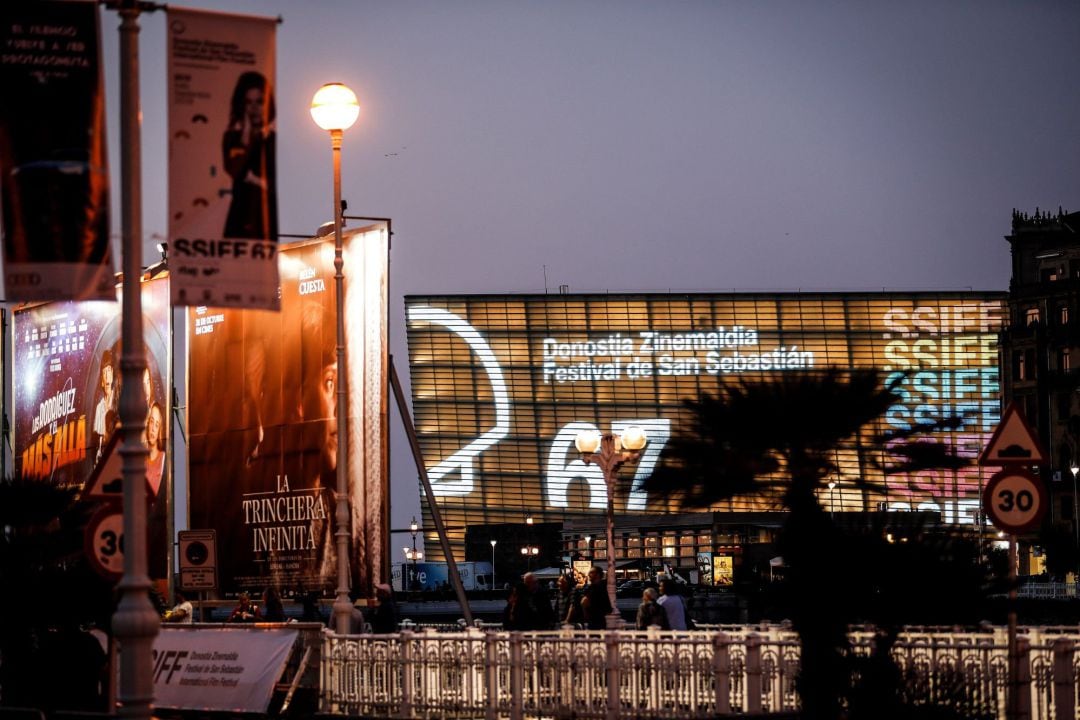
[529, 606]
[381, 611]
[245, 611]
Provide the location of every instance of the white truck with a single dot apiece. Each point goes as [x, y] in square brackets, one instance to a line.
[428, 576]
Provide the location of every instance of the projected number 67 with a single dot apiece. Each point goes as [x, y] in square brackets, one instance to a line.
[560, 473]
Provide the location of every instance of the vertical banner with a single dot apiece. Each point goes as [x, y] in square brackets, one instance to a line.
[66, 358]
[223, 228]
[262, 423]
[54, 181]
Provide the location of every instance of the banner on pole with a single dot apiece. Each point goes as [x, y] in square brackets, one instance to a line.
[66, 402]
[54, 181]
[262, 421]
[223, 227]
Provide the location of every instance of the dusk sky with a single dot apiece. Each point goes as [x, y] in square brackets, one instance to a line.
[625, 145]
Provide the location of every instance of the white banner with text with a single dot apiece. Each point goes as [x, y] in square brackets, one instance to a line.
[231, 669]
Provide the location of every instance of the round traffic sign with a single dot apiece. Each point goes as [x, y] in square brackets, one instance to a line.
[105, 542]
[196, 553]
[1015, 500]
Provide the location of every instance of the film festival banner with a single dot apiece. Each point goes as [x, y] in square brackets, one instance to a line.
[219, 669]
[66, 365]
[54, 181]
[262, 422]
[223, 226]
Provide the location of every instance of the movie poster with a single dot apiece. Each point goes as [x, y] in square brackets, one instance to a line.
[223, 226]
[66, 370]
[263, 429]
[54, 180]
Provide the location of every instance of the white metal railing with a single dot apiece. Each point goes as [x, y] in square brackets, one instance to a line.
[661, 674]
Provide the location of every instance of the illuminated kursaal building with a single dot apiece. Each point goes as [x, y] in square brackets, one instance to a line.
[502, 384]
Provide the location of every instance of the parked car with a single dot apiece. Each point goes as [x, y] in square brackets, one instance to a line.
[630, 588]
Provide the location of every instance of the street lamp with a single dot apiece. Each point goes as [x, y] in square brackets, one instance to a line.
[412, 556]
[1076, 517]
[609, 452]
[529, 551]
[832, 508]
[414, 527]
[493, 543]
[334, 108]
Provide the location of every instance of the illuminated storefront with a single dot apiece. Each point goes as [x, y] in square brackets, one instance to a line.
[502, 384]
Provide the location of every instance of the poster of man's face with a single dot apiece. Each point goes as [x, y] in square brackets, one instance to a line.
[264, 431]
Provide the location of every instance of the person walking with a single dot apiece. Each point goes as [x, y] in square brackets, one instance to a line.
[567, 602]
[181, 612]
[673, 605]
[384, 615]
[596, 605]
[273, 610]
[245, 611]
[650, 613]
[538, 614]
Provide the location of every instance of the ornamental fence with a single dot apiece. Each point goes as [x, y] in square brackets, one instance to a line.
[661, 674]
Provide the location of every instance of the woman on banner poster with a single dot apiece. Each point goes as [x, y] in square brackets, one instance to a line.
[249, 158]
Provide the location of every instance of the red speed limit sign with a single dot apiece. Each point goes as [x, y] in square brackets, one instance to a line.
[105, 542]
[1015, 501]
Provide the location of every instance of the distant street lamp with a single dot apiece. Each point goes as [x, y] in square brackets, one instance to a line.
[412, 556]
[1076, 516]
[414, 528]
[832, 508]
[529, 551]
[493, 543]
[609, 452]
[334, 108]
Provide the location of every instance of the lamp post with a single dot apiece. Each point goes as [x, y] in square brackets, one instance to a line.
[529, 551]
[135, 623]
[609, 452]
[493, 542]
[334, 108]
[414, 528]
[832, 508]
[1076, 518]
[412, 556]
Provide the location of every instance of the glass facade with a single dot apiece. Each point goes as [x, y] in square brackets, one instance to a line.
[502, 384]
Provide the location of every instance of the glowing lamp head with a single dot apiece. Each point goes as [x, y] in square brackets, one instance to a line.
[1074, 469]
[334, 107]
[634, 438]
[587, 441]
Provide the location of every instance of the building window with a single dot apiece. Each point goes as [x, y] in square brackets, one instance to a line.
[1063, 314]
[1031, 316]
[1064, 361]
[1019, 366]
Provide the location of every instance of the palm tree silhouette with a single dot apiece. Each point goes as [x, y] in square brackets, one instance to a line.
[779, 437]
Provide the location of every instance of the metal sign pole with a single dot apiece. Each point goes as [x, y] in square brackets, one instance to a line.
[1012, 701]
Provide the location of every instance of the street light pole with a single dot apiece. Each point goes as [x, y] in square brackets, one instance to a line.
[414, 527]
[335, 108]
[1076, 517]
[609, 452]
[832, 507]
[135, 623]
[493, 563]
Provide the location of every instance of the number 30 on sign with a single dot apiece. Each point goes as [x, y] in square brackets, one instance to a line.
[1015, 501]
[105, 542]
